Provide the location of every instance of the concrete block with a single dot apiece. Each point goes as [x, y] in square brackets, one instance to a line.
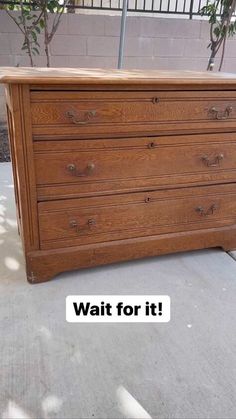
[86, 24]
[93, 62]
[21, 60]
[63, 25]
[230, 49]
[6, 60]
[16, 43]
[112, 26]
[7, 25]
[196, 48]
[60, 60]
[103, 46]
[205, 30]
[179, 28]
[229, 65]
[5, 46]
[68, 45]
[165, 63]
[143, 63]
[168, 47]
[141, 47]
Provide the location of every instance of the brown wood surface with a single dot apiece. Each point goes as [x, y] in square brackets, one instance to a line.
[92, 220]
[29, 75]
[103, 113]
[141, 166]
[128, 164]
[44, 264]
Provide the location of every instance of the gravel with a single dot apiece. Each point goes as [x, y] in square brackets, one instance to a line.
[4, 145]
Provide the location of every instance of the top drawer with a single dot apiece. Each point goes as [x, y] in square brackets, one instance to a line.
[99, 114]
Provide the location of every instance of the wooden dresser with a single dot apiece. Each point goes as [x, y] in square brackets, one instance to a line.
[118, 165]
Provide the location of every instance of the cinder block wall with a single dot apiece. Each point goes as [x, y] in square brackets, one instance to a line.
[92, 41]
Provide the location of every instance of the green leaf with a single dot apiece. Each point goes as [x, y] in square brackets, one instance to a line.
[36, 50]
[41, 23]
[34, 36]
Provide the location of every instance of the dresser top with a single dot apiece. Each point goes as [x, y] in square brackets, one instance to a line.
[103, 76]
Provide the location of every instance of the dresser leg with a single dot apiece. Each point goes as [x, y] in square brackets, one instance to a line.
[229, 247]
[38, 271]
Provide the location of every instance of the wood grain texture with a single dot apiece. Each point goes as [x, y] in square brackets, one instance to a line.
[92, 75]
[91, 220]
[43, 265]
[112, 166]
[99, 113]
[24, 177]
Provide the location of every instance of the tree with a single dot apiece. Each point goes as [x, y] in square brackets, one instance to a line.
[221, 27]
[30, 23]
[54, 9]
[33, 19]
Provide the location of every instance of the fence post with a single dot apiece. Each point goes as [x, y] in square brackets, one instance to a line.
[122, 33]
[191, 9]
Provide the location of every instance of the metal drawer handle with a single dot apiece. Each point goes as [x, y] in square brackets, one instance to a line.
[209, 211]
[75, 172]
[221, 114]
[75, 224]
[155, 100]
[77, 120]
[151, 145]
[213, 162]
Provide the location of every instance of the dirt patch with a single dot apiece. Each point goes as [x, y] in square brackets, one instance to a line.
[4, 145]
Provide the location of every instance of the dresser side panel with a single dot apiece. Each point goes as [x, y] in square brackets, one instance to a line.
[24, 177]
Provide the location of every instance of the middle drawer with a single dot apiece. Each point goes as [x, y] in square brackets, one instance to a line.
[84, 167]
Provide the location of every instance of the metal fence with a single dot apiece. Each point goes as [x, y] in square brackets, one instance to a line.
[181, 7]
[186, 8]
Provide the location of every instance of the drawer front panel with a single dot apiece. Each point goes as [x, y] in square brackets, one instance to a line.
[105, 113]
[92, 220]
[92, 167]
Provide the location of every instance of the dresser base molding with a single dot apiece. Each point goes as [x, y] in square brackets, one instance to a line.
[43, 265]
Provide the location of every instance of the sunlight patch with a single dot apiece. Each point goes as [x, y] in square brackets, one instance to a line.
[12, 263]
[129, 406]
[51, 404]
[11, 222]
[45, 332]
[13, 411]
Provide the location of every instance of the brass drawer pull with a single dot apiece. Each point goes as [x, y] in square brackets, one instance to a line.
[75, 172]
[76, 120]
[213, 162]
[209, 211]
[75, 224]
[151, 145]
[221, 114]
[155, 100]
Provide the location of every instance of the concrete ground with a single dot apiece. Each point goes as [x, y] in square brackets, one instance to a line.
[52, 369]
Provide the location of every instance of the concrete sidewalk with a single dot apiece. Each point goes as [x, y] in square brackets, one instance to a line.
[52, 369]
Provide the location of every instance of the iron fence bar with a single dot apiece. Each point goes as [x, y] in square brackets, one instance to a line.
[176, 5]
[191, 9]
[168, 6]
[134, 9]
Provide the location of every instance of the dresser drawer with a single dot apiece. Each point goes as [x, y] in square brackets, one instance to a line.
[99, 114]
[92, 220]
[80, 168]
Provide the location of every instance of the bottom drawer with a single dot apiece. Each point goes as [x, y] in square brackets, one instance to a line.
[92, 220]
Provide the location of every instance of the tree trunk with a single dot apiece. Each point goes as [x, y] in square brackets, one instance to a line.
[211, 61]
